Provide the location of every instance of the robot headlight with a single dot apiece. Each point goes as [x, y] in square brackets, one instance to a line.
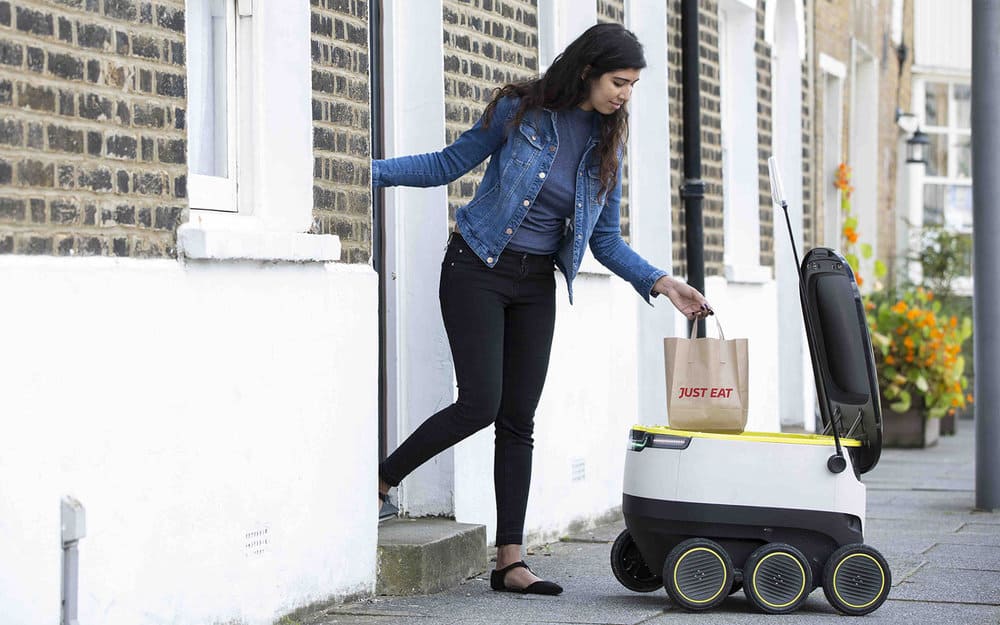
[640, 440]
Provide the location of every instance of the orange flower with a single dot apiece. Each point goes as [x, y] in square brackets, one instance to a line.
[968, 398]
[953, 322]
[899, 308]
[857, 278]
[889, 360]
[851, 235]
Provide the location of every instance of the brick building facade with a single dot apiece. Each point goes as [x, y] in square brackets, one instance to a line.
[341, 125]
[92, 127]
[840, 31]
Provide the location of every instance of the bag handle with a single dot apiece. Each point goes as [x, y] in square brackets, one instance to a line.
[694, 329]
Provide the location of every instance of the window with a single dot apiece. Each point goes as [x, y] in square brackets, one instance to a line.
[213, 28]
[250, 94]
[947, 187]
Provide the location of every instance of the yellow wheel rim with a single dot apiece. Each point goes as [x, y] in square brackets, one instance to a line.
[722, 563]
[798, 594]
[881, 573]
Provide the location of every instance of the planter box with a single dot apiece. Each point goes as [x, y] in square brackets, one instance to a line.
[949, 425]
[909, 429]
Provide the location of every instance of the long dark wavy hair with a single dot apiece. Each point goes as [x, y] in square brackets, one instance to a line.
[600, 49]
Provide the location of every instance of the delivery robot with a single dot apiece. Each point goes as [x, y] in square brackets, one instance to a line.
[777, 514]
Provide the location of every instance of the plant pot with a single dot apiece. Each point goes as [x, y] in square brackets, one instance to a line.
[909, 429]
[949, 425]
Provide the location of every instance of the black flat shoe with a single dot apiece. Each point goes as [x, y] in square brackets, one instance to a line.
[537, 588]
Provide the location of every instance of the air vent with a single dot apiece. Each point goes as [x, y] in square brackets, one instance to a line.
[256, 542]
[578, 470]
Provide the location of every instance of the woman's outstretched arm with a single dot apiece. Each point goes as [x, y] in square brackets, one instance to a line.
[434, 169]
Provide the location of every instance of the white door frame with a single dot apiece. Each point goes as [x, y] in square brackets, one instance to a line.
[418, 369]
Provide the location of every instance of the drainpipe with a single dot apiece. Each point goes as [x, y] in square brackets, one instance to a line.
[375, 75]
[73, 521]
[693, 189]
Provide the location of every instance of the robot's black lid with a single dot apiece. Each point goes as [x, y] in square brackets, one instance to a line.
[843, 361]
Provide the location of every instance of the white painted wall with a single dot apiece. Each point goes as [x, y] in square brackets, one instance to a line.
[796, 394]
[863, 156]
[748, 310]
[649, 198]
[941, 36]
[184, 406]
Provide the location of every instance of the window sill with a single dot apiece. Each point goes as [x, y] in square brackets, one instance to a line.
[748, 274]
[214, 243]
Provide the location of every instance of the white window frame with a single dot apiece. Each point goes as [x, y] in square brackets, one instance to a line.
[559, 23]
[740, 185]
[950, 131]
[264, 211]
[863, 152]
[220, 192]
[832, 74]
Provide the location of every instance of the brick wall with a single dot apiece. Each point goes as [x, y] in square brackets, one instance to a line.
[834, 27]
[711, 134]
[341, 125]
[92, 127]
[487, 44]
[894, 91]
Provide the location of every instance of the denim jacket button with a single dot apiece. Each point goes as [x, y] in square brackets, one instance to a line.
[579, 236]
[490, 260]
[509, 231]
[579, 204]
[526, 203]
[552, 148]
[541, 174]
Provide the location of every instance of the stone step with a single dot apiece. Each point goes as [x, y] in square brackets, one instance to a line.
[428, 555]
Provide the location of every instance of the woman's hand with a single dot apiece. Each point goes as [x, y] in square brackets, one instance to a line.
[685, 297]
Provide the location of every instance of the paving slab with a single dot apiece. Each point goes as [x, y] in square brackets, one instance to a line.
[952, 586]
[970, 557]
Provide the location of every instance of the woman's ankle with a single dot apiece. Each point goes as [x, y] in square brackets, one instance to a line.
[507, 555]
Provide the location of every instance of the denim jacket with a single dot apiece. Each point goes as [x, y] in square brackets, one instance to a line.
[519, 160]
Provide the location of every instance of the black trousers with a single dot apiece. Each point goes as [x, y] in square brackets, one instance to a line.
[499, 323]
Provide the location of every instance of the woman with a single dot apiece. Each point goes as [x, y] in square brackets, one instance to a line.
[553, 184]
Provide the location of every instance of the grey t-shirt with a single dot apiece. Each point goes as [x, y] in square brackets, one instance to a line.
[543, 227]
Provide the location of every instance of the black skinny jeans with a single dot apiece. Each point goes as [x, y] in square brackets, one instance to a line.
[499, 323]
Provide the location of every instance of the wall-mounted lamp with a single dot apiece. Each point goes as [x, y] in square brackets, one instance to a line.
[916, 145]
[916, 148]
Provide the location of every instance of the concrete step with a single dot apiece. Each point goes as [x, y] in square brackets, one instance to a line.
[427, 555]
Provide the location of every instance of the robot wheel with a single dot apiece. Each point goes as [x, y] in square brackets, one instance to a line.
[629, 568]
[856, 579]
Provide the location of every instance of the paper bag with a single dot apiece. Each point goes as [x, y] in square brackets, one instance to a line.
[706, 382]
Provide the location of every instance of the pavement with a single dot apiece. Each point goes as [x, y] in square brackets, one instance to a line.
[944, 557]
